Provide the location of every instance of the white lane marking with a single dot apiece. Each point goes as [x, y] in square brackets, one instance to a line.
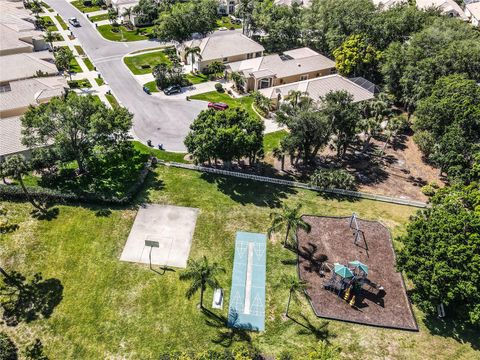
[248, 281]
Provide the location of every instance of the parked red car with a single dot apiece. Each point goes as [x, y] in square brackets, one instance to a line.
[218, 106]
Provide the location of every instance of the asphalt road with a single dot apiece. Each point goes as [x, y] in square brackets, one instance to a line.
[164, 121]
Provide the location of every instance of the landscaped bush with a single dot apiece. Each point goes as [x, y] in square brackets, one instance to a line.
[8, 350]
[219, 88]
[333, 179]
[430, 188]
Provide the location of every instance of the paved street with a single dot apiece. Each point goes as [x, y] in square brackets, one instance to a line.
[162, 121]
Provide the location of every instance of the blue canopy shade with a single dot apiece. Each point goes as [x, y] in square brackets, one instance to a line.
[360, 266]
[343, 271]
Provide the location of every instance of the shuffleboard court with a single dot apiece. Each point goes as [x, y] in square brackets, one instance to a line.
[247, 295]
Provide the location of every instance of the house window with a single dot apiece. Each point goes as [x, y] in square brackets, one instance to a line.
[258, 54]
[303, 77]
[264, 83]
[225, 59]
[249, 56]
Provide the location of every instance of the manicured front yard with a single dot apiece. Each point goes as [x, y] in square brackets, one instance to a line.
[197, 78]
[272, 140]
[78, 84]
[49, 24]
[214, 96]
[112, 100]
[225, 21]
[88, 64]
[121, 33]
[79, 50]
[97, 18]
[144, 63]
[152, 86]
[99, 81]
[113, 309]
[74, 67]
[86, 9]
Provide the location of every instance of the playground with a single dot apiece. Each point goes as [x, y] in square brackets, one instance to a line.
[349, 267]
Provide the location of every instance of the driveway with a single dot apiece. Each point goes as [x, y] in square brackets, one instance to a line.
[160, 120]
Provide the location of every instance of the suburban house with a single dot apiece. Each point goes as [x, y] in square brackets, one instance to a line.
[225, 48]
[447, 7]
[291, 2]
[472, 11]
[27, 76]
[121, 6]
[317, 88]
[387, 4]
[227, 7]
[291, 66]
[18, 33]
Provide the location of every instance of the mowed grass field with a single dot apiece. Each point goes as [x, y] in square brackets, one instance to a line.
[112, 309]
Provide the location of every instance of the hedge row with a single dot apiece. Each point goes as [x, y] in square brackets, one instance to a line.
[14, 192]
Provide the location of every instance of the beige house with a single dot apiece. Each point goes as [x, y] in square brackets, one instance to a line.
[223, 47]
[11, 138]
[305, 3]
[387, 4]
[17, 30]
[447, 7]
[227, 7]
[317, 88]
[472, 11]
[273, 70]
[26, 65]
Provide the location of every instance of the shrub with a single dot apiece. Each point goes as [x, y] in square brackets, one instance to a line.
[428, 190]
[8, 350]
[219, 88]
[333, 179]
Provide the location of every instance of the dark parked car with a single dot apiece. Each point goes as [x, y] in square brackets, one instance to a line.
[146, 90]
[174, 89]
[218, 106]
[74, 21]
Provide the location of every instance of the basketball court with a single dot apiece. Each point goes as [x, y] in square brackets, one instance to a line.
[161, 235]
[247, 296]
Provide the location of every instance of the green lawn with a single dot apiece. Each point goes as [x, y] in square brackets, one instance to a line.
[197, 78]
[99, 81]
[79, 50]
[152, 86]
[88, 64]
[123, 34]
[214, 96]
[272, 140]
[113, 309]
[97, 99]
[62, 23]
[97, 18]
[160, 154]
[144, 63]
[225, 21]
[111, 99]
[77, 84]
[74, 67]
[86, 9]
[49, 24]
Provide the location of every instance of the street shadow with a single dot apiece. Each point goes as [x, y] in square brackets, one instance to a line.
[250, 191]
[25, 300]
[227, 335]
[458, 330]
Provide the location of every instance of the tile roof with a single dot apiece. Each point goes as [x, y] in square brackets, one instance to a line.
[293, 62]
[444, 5]
[319, 87]
[31, 92]
[26, 65]
[11, 136]
[225, 45]
[474, 9]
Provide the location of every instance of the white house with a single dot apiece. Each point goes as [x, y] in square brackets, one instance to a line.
[472, 11]
[447, 7]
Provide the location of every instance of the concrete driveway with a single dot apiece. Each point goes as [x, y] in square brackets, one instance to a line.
[163, 121]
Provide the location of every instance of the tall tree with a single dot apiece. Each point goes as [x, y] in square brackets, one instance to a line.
[295, 288]
[146, 11]
[75, 126]
[127, 12]
[63, 60]
[17, 167]
[201, 275]
[374, 113]
[343, 113]
[49, 37]
[289, 219]
[194, 53]
[440, 253]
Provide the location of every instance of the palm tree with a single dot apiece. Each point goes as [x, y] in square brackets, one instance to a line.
[112, 16]
[16, 166]
[49, 38]
[201, 274]
[193, 52]
[296, 287]
[237, 80]
[279, 152]
[289, 218]
[63, 59]
[128, 12]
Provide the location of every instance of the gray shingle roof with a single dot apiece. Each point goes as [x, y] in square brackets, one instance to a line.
[26, 65]
[10, 136]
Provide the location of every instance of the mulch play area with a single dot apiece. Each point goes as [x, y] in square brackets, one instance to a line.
[325, 257]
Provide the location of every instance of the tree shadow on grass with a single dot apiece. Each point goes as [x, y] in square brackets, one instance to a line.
[457, 330]
[246, 191]
[24, 300]
[49, 214]
[152, 183]
[227, 335]
[320, 332]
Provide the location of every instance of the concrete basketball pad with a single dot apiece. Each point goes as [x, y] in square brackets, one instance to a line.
[171, 226]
